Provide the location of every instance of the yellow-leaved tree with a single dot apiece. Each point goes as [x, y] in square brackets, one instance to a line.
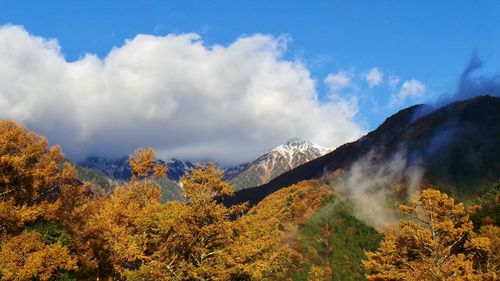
[109, 239]
[437, 242]
[202, 239]
[32, 244]
[198, 239]
[54, 227]
[192, 238]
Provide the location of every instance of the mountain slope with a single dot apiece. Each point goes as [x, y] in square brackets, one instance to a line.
[118, 170]
[320, 228]
[458, 146]
[274, 163]
[335, 239]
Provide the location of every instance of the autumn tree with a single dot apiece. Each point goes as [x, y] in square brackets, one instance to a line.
[437, 242]
[104, 237]
[53, 226]
[27, 257]
[32, 177]
[30, 170]
[143, 163]
[189, 241]
[198, 239]
[323, 254]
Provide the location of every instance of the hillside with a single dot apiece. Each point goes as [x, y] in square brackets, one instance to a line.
[320, 228]
[111, 172]
[457, 146]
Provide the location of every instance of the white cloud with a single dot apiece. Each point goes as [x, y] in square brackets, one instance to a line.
[374, 77]
[174, 93]
[338, 81]
[410, 89]
[342, 92]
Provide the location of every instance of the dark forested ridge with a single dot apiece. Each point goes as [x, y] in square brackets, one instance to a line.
[457, 145]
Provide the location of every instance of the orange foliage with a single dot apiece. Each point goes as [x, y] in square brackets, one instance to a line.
[143, 163]
[129, 234]
[278, 217]
[29, 169]
[25, 257]
[31, 180]
[132, 235]
[200, 239]
[294, 204]
[438, 243]
[319, 273]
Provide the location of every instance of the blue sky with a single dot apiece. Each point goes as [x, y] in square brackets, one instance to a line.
[427, 42]
[430, 41]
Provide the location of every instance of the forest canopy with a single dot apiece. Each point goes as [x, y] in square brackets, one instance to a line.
[54, 226]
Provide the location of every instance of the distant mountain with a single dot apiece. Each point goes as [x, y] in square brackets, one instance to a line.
[274, 163]
[265, 168]
[118, 169]
[177, 169]
[457, 146]
[94, 177]
[114, 169]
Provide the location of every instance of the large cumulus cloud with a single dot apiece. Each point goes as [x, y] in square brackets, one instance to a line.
[174, 93]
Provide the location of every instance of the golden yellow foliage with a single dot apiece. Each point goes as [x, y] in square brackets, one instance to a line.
[204, 184]
[277, 218]
[29, 169]
[484, 250]
[25, 257]
[187, 241]
[32, 177]
[143, 163]
[320, 273]
[134, 235]
[292, 205]
[131, 233]
[79, 207]
[437, 243]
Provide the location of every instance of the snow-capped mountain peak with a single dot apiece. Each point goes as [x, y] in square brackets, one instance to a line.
[277, 161]
[297, 145]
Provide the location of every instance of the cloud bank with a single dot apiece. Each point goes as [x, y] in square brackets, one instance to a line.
[174, 93]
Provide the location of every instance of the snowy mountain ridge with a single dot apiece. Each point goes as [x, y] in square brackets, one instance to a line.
[296, 148]
[276, 162]
[266, 167]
